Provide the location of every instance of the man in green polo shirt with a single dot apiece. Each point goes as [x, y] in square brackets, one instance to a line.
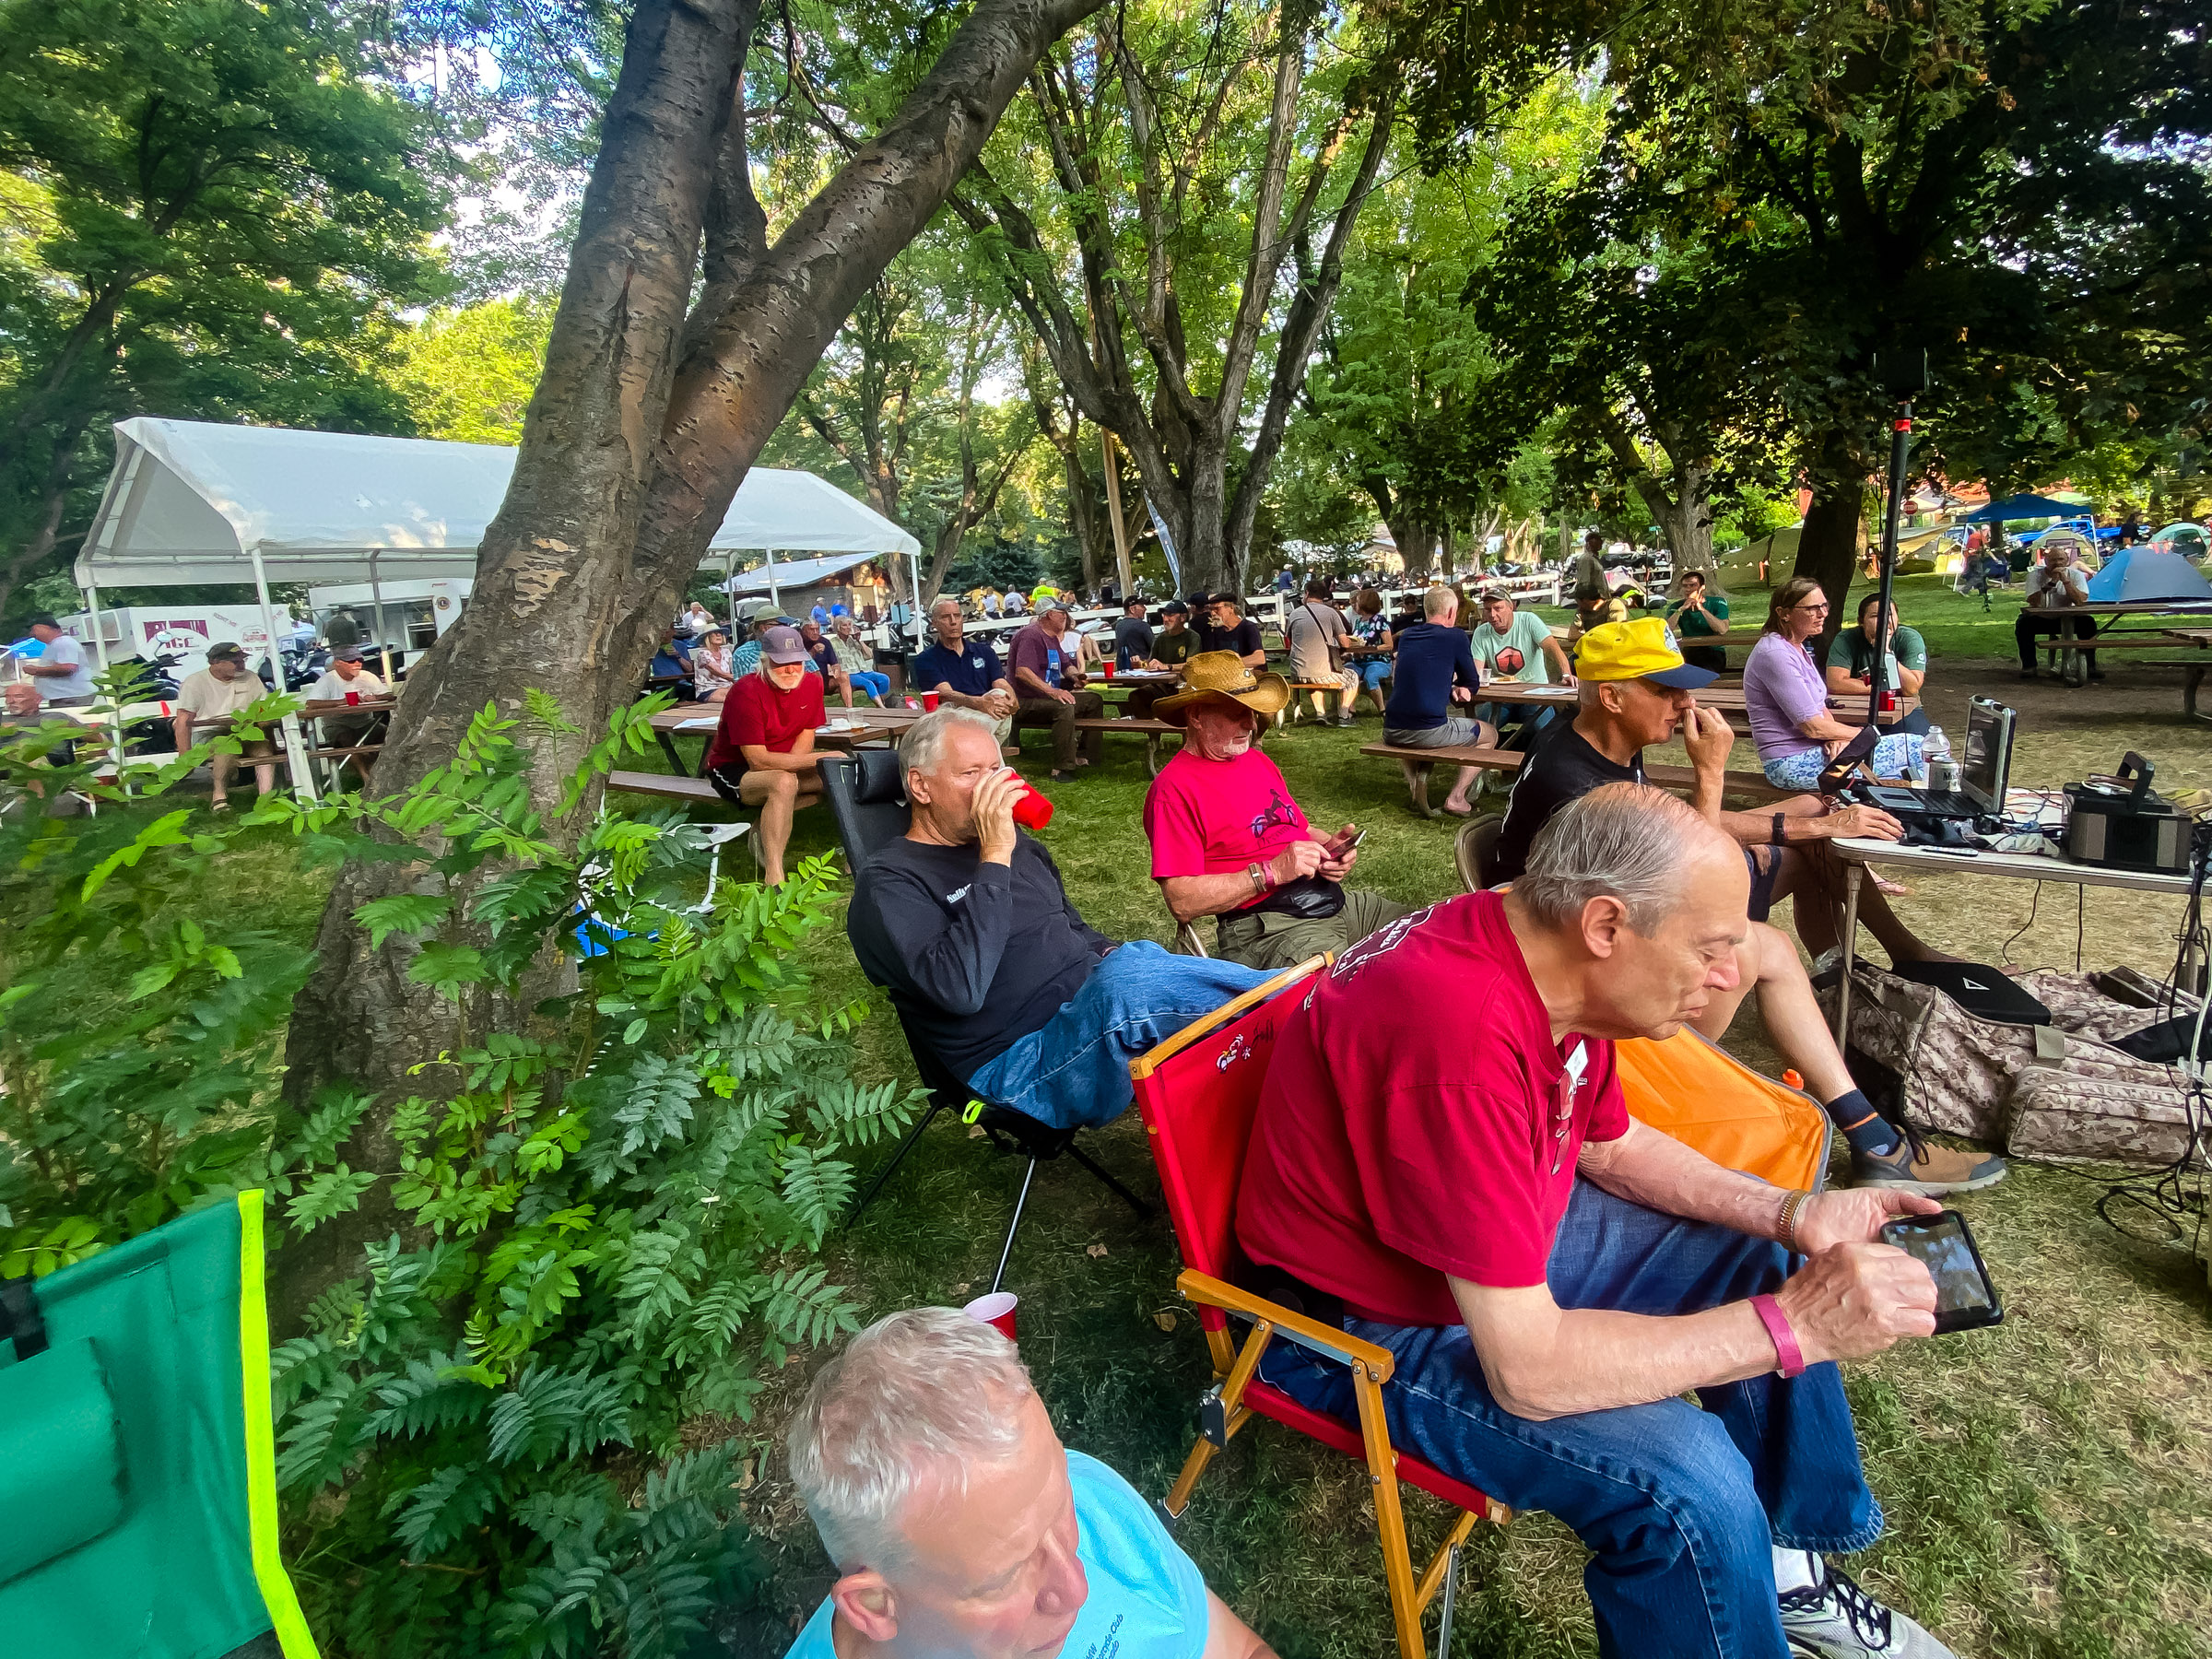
[1851, 657]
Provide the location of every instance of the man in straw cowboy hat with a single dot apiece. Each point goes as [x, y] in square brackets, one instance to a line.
[1227, 840]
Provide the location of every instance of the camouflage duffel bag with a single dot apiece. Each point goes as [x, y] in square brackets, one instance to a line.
[2059, 1091]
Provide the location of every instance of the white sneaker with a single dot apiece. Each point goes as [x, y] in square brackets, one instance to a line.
[1836, 1619]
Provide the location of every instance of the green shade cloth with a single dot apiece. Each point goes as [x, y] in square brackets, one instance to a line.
[131, 1481]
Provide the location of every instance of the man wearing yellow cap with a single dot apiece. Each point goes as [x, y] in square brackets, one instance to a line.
[1635, 690]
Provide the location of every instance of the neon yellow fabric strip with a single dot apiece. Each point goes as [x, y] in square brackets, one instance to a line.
[291, 1624]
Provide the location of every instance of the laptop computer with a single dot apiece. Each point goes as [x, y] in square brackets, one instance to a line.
[1985, 773]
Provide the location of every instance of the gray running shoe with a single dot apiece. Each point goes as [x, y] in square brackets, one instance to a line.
[1836, 1619]
[1917, 1165]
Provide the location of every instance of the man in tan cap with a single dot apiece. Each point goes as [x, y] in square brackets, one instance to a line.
[1229, 842]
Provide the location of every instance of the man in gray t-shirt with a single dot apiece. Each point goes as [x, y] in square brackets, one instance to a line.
[1317, 636]
[64, 679]
[1132, 637]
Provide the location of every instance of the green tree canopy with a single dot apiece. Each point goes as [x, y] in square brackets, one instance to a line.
[204, 211]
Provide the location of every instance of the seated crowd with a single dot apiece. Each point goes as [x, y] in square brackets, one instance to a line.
[1552, 1278]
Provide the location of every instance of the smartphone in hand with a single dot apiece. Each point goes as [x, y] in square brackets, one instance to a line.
[1965, 1299]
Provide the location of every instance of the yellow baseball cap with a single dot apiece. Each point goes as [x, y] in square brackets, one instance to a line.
[1643, 649]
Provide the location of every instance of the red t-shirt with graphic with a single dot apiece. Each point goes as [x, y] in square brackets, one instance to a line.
[1417, 1120]
[1207, 816]
[764, 714]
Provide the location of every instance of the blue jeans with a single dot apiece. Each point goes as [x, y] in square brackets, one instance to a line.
[878, 686]
[1519, 724]
[1373, 672]
[1074, 1068]
[1681, 1506]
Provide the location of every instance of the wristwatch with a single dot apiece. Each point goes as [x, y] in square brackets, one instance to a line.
[1257, 874]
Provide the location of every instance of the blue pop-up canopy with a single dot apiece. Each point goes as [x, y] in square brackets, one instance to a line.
[2014, 507]
[2138, 573]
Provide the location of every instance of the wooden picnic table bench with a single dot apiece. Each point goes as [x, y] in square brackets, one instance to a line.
[1152, 730]
[664, 786]
[1416, 764]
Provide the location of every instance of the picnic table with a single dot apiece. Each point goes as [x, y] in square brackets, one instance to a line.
[2074, 668]
[848, 728]
[282, 756]
[1727, 700]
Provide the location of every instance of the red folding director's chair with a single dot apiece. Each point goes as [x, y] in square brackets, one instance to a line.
[1199, 1091]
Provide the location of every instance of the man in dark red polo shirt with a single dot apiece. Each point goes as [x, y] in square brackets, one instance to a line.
[1552, 1276]
[762, 753]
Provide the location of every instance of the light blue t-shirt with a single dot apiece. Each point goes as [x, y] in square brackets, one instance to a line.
[1518, 653]
[1146, 1599]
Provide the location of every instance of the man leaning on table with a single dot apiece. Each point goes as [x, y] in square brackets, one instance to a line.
[1552, 1277]
[1049, 680]
[222, 689]
[965, 673]
[336, 699]
[762, 751]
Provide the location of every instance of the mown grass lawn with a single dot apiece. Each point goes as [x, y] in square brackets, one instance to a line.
[2048, 1484]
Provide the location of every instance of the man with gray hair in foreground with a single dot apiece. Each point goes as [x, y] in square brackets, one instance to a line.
[960, 1525]
[1552, 1277]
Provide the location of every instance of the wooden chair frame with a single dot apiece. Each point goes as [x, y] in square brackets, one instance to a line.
[1238, 1395]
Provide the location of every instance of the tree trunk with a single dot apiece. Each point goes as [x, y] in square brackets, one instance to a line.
[627, 464]
[1828, 547]
[1416, 539]
[1685, 521]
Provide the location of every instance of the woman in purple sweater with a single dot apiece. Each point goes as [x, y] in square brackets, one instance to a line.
[1787, 699]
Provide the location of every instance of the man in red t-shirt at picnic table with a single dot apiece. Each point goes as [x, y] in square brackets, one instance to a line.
[762, 753]
[1229, 842]
[1551, 1277]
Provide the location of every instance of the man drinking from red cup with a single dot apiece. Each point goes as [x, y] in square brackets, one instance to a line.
[965, 921]
[336, 699]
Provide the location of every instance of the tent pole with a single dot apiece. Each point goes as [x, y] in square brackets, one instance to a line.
[100, 650]
[774, 599]
[914, 598]
[1900, 440]
[294, 747]
[376, 597]
[729, 592]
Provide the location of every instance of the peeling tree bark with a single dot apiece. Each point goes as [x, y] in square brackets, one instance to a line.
[641, 427]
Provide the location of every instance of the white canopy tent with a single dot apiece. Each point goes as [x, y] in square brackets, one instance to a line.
[192, 502]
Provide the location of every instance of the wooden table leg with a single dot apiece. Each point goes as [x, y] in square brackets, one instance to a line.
[2191, 678]
[1853, 875]
[675, 759]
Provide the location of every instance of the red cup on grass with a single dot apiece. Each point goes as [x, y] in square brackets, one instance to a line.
[997, 1311]
[929, 702]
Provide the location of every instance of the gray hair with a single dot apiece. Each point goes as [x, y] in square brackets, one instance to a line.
[941, 601]
[1627, 842]
[1439, 601]
[914, 1399]
[923, 743]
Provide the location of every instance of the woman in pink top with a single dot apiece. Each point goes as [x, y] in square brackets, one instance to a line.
[1787, 699]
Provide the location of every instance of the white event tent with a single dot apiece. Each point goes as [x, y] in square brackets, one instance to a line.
[192, 502]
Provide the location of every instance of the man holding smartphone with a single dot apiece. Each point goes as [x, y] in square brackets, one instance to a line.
[1227, 840]
[1551, 1277]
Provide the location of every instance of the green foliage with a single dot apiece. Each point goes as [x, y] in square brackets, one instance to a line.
[613, 1202]
[159, 1097]
[469, 372]
[613, 1210]
[212, 211]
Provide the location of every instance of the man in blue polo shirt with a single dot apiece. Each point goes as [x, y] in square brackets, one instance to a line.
[962, 1528]
[964, 673]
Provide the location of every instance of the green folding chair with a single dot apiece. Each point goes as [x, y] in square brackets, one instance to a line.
[138, 1458]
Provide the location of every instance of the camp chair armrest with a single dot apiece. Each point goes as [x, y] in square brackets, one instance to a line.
[1291, 1327]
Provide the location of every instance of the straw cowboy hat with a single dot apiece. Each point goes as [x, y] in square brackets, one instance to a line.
[1225, 674]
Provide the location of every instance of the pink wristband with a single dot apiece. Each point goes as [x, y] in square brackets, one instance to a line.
[1784, 1339]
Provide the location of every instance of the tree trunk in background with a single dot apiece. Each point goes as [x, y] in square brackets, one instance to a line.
[1828, 547]
[1417, 544]
[1686, 523]
[629, 461]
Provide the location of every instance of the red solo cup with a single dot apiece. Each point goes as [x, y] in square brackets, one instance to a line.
[1032, 810]
[1889, 702]
[1108, 666]
[354, 699]
[997, 1311]
[929, 702]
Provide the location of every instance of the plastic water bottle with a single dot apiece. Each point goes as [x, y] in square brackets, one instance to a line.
[1937, 747]
[1943, 771]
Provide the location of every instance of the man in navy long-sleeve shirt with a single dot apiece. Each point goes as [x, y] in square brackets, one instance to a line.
[1435, 668]
[965, 921]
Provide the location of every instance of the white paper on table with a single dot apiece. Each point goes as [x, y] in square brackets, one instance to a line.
[702, 724]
